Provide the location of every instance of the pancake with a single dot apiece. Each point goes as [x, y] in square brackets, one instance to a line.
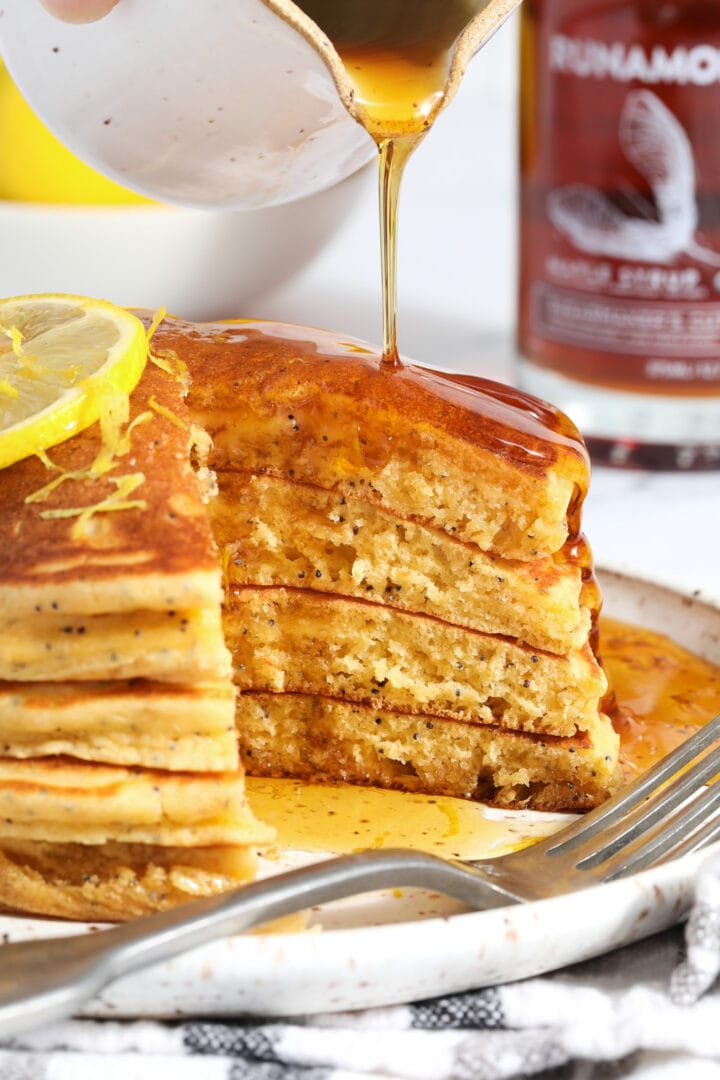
[402, 540]
[127, 593]
[157, 556]
[271, 531]
[158, 725]
[114, 882]
[180, 646]
[89, 841]
[108, 596]
[121, 790]
[297, 641]
[408, 602]
[481, 461]
[62, 800]
[320, 739]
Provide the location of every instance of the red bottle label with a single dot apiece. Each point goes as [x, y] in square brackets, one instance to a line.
[620, 234]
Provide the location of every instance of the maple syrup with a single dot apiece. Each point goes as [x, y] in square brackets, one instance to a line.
[619, 298]
[342, 818]
[663, 692]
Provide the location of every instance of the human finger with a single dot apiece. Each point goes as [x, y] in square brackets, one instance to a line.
[79, 11]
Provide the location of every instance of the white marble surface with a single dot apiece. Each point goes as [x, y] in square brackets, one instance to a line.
[456, 299]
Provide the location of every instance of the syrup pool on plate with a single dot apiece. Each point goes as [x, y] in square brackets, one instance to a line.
[341, 818]
[663, 692]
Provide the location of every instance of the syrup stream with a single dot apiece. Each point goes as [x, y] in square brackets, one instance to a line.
[397, 57]
[394, 154]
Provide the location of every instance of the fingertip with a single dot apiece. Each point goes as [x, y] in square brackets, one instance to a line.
[79, 11]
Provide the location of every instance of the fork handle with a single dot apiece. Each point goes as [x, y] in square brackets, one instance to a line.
[46, 980]
[158, 937]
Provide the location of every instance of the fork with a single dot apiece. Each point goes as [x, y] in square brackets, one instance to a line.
[670, 811]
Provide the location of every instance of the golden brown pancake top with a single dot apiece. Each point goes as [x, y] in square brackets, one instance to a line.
[279, 362]
[169, 536]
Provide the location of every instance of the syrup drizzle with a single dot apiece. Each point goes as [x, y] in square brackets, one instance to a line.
[281, 360]
[394, 154]
[397, 57]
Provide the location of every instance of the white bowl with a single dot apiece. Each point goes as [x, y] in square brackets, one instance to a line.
[208, 103]
[199, 264]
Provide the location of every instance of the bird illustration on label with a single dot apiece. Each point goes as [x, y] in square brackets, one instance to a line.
[656, 144]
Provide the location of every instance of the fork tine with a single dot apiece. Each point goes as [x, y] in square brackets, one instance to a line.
[678, 832]
[611, 811]
[700, 838]
[643, 818]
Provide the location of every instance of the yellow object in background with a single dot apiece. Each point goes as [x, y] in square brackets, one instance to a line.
[36, 167]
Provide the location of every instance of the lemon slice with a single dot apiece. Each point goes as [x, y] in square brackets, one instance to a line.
[62, 359]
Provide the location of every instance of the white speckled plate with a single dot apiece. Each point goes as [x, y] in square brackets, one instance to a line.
[386, 948]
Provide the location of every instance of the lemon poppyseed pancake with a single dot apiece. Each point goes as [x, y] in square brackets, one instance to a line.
[116, 607]
[120, 783]
[409, 601]
[128, 579]
[293, 560]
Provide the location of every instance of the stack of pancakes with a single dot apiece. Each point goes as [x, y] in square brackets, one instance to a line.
[120, 785]
[408, 600]
[407, 603]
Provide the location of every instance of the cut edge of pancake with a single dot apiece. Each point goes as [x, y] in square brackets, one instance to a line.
[275, 531]
[301, 641]
[323, 740]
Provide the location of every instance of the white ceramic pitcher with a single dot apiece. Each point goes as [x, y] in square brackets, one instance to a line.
[222, 103]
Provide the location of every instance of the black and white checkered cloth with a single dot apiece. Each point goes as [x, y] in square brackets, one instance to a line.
[650, 1011]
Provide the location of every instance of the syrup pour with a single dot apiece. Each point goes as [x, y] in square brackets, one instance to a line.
[394, 154]
[398, 58]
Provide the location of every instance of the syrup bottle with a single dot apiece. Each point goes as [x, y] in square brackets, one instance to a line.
[619, 294]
